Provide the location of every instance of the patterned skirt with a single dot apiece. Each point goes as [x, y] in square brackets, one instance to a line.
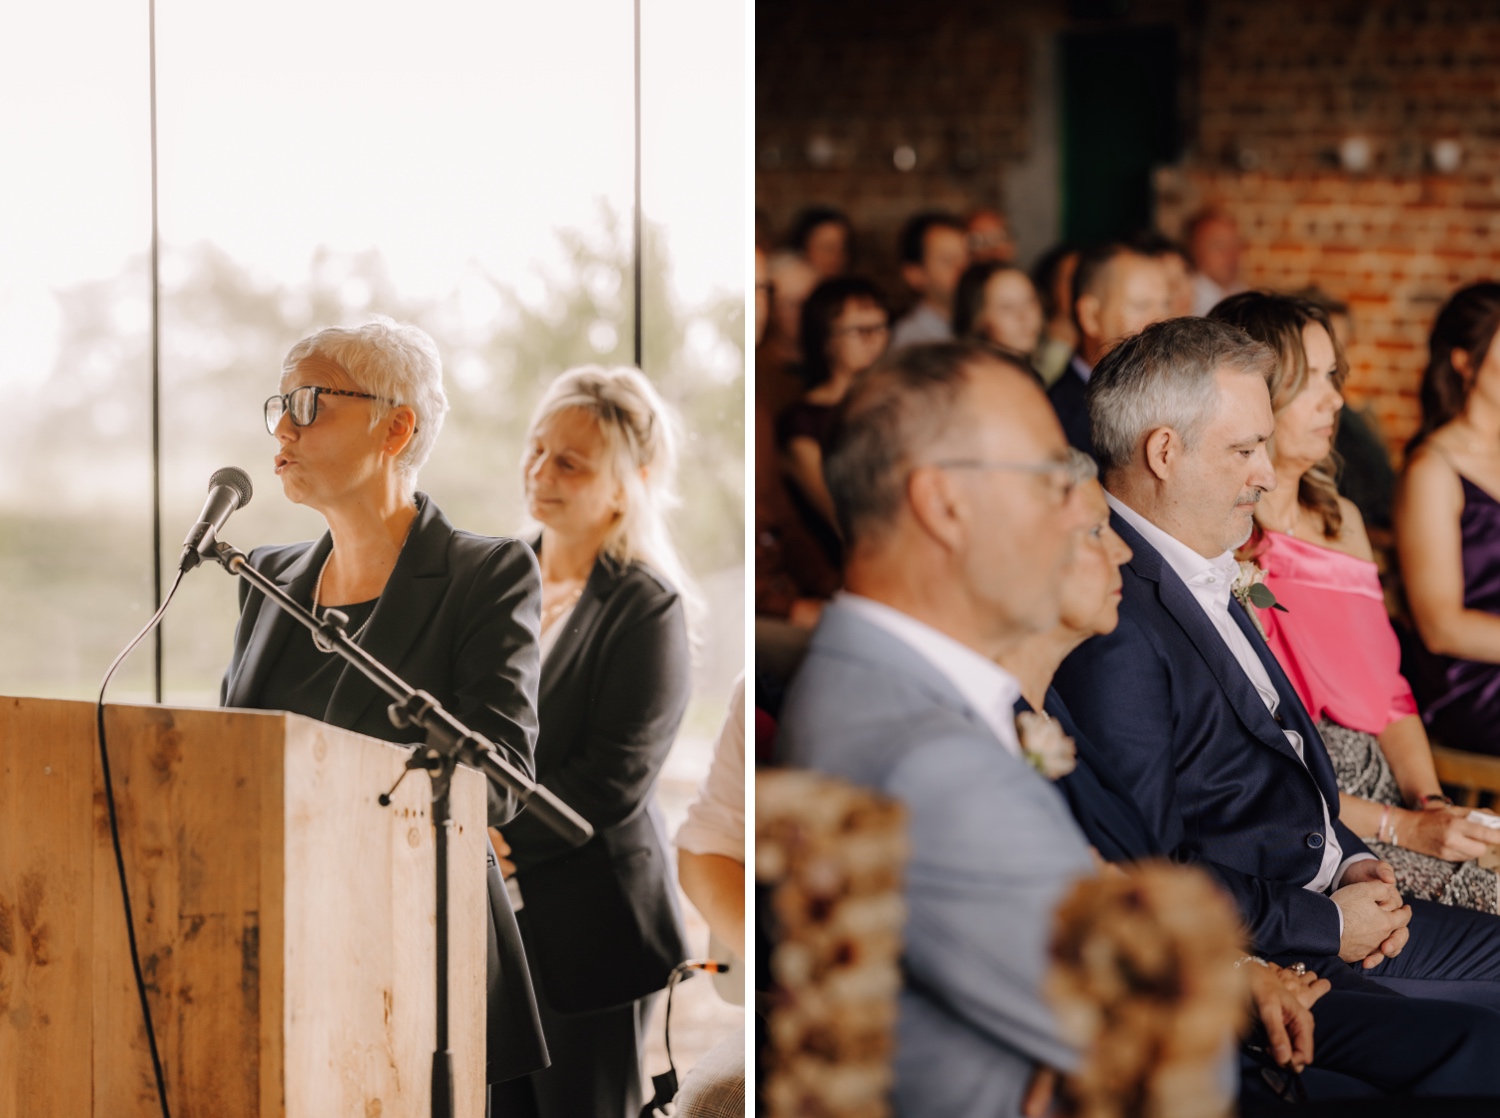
[1362, 771]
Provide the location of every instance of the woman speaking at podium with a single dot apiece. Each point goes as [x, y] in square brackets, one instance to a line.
[451, 612]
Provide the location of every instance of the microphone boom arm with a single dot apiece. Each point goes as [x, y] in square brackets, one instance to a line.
[448, 739]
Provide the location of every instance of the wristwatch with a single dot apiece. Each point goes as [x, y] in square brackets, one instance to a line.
[1427, 802]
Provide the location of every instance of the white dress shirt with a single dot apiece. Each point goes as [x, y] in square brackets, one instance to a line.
[1211, 582]
[1080, 368]
[988, 688]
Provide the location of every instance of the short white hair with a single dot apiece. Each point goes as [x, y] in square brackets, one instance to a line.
[396, 362]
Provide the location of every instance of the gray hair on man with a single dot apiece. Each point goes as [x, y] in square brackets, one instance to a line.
[396, 362]
[1082, 467]
[896, 410]
[1164, 377]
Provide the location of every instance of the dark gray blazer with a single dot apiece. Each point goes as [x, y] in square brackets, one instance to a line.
[459, 619]
[601, 921]
[993, 850]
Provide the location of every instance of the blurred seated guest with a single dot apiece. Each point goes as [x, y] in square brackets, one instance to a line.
[1178, 265]
[1366, 477]
[1213, 241]
[791, 281]
[933, 253]
[711, 840]
[1089, 597]
[845, 328]
[996, 303]
[821, 235]
[601, 921]
[1117, 292]
[1334, 638]
[953, 568]
[711, 869]
[453, 613]
[1448, 521]
[989, 237]
[952, 485]
[1052, 276]
[1201, 725]
[792, 568]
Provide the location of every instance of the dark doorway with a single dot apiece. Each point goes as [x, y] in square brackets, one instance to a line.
[1119, 120]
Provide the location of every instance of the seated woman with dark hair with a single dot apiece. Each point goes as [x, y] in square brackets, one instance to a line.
[996, 303]
[1333, 635]
[1448, 523]
[845, 328]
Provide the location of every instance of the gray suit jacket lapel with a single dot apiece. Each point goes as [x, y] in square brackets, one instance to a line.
[844, 633]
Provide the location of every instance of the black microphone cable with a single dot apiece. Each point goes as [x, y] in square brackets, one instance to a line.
[665, 1084]
[114, 835]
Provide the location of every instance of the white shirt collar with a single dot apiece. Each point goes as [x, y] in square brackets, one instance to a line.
[1080, 366]
[1208, 579]
[985, 685]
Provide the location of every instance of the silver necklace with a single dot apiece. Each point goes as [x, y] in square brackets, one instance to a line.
[318, 593]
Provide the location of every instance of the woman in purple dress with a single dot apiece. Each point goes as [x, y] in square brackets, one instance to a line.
[1448, 523]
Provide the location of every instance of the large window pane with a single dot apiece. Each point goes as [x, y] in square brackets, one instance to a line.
[467, 167]
[75, 226]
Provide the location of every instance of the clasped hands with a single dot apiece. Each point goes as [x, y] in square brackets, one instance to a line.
[1375, 916]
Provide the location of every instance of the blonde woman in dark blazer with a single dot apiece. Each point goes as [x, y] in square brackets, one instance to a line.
[601, 922]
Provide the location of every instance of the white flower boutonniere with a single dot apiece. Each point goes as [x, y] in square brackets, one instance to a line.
[1044, 745]
[1251, 589]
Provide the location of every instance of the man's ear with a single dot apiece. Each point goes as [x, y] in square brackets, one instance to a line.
[1087, 308]
[936, 505]
[1163, 449]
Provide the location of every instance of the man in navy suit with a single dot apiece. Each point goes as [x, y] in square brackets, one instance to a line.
[1186, 704]
[1116, 292]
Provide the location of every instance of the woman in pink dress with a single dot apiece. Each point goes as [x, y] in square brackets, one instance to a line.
[1333, 635]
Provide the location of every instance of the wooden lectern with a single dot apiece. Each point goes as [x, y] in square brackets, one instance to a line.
[285, 919]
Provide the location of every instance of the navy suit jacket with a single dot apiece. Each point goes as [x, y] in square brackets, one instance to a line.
[1098, 800]
[1178, 721]
[1070, 399]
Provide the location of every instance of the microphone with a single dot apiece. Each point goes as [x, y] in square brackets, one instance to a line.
[228, 490]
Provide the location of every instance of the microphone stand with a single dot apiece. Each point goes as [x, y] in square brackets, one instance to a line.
[449, 743]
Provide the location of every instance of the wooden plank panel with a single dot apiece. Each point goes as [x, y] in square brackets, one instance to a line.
[46, 944]
[188, 790]
[259, 863]
[359, 924]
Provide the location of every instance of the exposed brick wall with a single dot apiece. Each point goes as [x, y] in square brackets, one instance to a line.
[1394, 249]
[1283, 83]
[839, 86]
[1271, 90]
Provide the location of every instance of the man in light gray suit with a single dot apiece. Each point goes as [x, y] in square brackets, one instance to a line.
[951, 479]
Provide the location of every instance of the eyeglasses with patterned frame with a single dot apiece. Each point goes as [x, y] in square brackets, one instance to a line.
[301, 404]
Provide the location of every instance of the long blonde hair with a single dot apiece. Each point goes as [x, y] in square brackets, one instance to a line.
[641, 433]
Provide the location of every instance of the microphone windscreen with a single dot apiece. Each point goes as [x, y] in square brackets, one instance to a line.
[236, 479]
